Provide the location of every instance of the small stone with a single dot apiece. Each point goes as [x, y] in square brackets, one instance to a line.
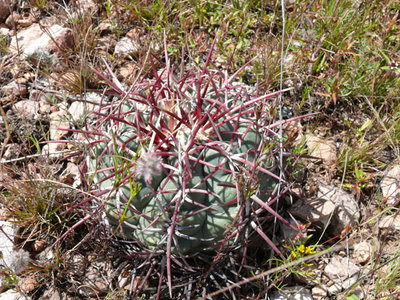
[54, 150]
[58, 120]
[88, 7]
[27, 108]
[12, 295]
[359, 292]
[127, 71]
[390, 223]
[79, 109]
[314, 210]
[28, 284]
[362, 252]
[77, 264]
[127, 46]
[51, 294]
[37, 95]
[38, 245]
[104, 27]
[106, 44]
[26, 20]
[71, 175]
[24, 38]
[342, 285]
[324, 149]
[4, 32]
[9, 98]
[12, 151]
[93, 284]
[62, 38]
[319, 292]
[124, 283]
[343, 272]
[347, 211]
[39, 45]
[390, 185]
[335, 289]
[42, 99]
[46, 256]
[15, 89]
[292, 293]
[340, 268]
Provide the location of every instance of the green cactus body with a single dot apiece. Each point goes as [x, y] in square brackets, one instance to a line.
[152, 208]
[139, 202]
[210, 207]
[189, 221]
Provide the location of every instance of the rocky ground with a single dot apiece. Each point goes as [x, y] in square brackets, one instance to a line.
[48, 83]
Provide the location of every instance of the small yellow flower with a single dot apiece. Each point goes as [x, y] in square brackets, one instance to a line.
[301, 249]
[294, 255]
[309, 250]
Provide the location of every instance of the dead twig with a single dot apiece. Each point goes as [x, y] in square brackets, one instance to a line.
[8, 133]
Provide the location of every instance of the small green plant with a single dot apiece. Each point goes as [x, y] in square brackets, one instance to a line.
[362, 181]
[388, 278]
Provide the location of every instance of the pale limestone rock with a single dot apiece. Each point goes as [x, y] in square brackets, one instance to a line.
[58, 120]
[319, 292]
[71, 175]
[12, 295]
[390, 223]
[7, 235]
[314, 211]
[127, 46]
[24, 38]
[54, 150]
[347, 211]
[324, 149]
[362, 252]
[79, 109]
[94, 283]
[15, 89]
[390, 185]
[292, 293]
[26, 108]
[343, 272]
[35, 43]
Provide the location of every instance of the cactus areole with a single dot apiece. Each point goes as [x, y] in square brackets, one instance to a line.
[178, 163]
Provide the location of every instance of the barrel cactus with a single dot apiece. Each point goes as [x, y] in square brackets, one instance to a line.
[184, 165]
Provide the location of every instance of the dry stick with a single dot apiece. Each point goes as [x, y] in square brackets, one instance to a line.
[3, 147]
[271, 271]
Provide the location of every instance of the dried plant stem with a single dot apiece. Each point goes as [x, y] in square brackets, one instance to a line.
[37, 155]
[3, 146]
